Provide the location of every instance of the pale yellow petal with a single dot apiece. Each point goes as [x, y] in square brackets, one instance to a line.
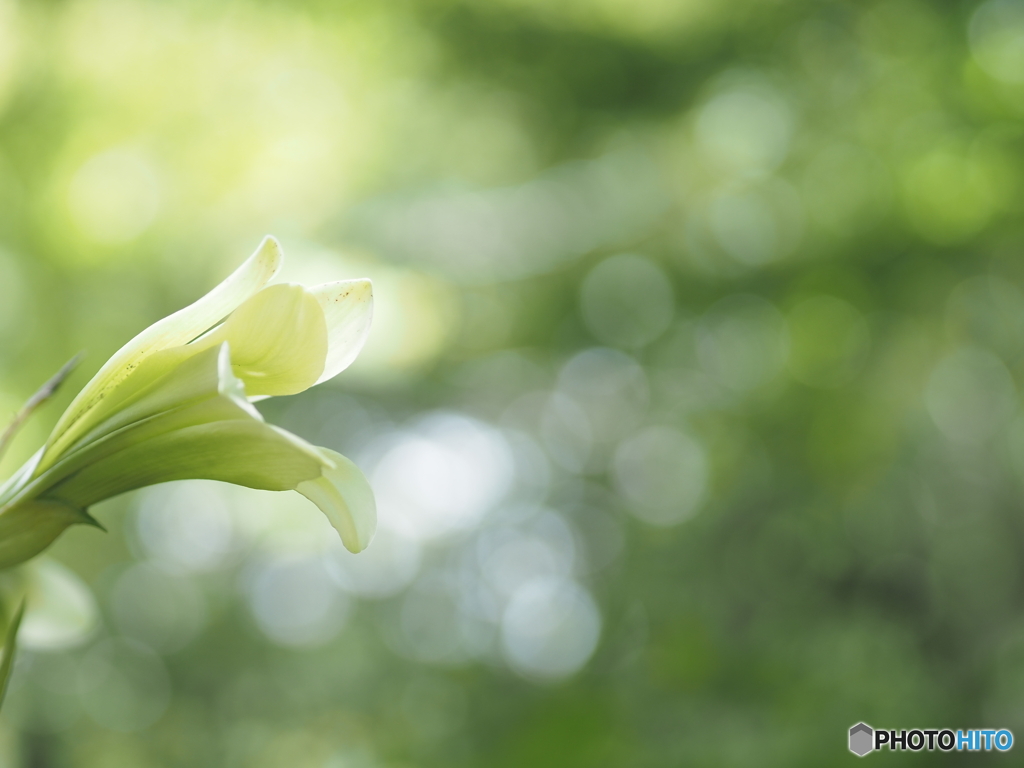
[177, 329]
[240, 451]
[348, 310]
[344, 494]
[278, 341]
[171, 379]
[203, 390]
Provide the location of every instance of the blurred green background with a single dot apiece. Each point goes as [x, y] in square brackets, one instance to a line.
[691, 400]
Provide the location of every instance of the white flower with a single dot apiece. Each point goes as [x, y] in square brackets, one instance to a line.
[175, 403]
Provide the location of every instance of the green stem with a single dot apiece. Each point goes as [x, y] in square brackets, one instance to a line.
[44, 393]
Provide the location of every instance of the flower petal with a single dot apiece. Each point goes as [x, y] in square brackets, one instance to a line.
[166, 380]
[348, 309]
[278, 340]
[243, 452]
[343, 494]
[202, 390]
[209, 432]
[16, 482]
[174, 330]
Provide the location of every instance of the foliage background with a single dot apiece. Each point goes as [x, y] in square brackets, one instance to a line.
[691, 400]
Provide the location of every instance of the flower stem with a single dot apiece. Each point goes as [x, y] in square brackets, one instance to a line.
[44, 393]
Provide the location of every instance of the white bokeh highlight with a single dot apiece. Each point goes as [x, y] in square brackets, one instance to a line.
[441, 476]
[746, 129]
[187, 525]
[662, 475]
[296, 603]
[550, 628]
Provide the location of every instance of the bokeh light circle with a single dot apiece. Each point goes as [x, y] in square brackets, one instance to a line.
[746, 129]
[970, 395]
[123, 685]
[442, 476]
[296, 603]
[163, 610]
[662, 474]
[550, 628]
[742, 341]
[114, 196]
[627, 301]
[996, 35]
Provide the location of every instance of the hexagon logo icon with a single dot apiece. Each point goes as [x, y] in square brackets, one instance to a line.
[862, 738]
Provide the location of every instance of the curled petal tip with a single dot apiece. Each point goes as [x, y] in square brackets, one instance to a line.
[343, 493]
[270, 245]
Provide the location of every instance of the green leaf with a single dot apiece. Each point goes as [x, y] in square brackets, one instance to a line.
[7, 653]
[44, 393]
